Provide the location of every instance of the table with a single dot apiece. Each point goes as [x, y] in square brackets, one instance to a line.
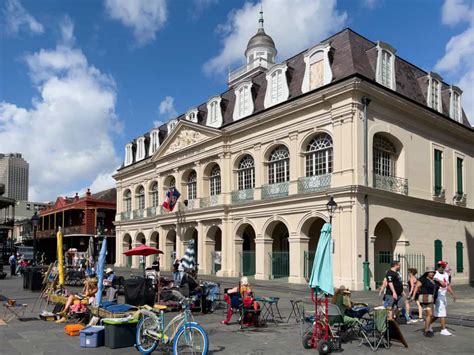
[270, 310]
[14, 311]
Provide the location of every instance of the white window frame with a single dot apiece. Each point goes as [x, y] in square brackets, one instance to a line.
[214, 112]
[283, 92]
[154, 141]
[246, 173]
[127, 200]
[192, 186]
[278, 165]
[381, 47]
[154, 198]
[140, 197]
[192, 115]
[455, 110]
[172, 125]
[244, 105]
[215, 183]
[319, 155]
[432, 79]
[128, 154]
[327, 75]
[140, 148]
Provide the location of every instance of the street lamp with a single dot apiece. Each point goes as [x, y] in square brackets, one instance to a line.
[331, 207]
[34, 222]
[100, 222]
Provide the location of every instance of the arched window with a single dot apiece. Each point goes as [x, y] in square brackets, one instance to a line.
[319, 155]
[215, 181]
[192, 185]
[277, 86]
[246, 173]
[141, 198]
[154, 194]
[171, 182]
[244, 101]
[127, 199]
[384, 155]
[279, 165]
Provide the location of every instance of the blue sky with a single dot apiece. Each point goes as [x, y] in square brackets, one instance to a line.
[80, 78]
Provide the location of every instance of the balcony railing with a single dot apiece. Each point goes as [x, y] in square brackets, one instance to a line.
[275, 190]
[314, 183]
[209, 201]
[153, 211]
[391, 183]
[137, 214]
[125, 215]
[192, 204]
[460, 199]
[242, 195]
[258, 62]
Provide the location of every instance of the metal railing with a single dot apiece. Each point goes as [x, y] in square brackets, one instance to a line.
[192, 204]
[279, 264]
[258, 62]
[242, 195]
[152, 211]
[308, 263]
[391, 183]
[275, 190]
[314, 183]
[407, 261]
[209, 201]
[125, 215]
[138, 214]
[247, 263]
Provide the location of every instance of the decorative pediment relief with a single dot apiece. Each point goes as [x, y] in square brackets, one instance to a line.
[185, 138]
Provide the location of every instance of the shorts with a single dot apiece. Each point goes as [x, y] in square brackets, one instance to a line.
[390, 302]
[440, 309]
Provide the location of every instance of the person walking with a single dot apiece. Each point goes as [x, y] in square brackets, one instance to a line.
[441, 304]
[427, 290]
[394, 291]
[12, 262]
[412, 280]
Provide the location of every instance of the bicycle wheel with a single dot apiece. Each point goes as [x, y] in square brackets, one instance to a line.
[191, 338]
[145, 343]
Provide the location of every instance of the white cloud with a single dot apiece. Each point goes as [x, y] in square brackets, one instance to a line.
[167, 108]
[293, 25]
[17, 18]
[145, 17]
[66, 135]
[103, 182]
[369, 3]
[457, 63]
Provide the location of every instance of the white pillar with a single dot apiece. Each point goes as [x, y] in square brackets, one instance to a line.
[298, 247]
[263, 249]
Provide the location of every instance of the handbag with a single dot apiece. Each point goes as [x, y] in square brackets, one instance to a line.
[425, 298]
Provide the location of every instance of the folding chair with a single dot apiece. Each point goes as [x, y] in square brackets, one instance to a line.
[376, 331]
[296, 310]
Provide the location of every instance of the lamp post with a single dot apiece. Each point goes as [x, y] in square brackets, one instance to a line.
[331, 207]
[34, 222]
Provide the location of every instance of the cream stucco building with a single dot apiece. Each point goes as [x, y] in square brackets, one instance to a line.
[257, 164]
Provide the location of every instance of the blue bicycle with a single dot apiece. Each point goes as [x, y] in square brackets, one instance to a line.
[182, 333]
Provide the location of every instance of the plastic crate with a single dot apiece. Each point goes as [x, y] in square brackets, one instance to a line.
[120, 335]
[92, 336]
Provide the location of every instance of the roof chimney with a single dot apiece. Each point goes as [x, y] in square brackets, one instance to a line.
[88, 193]
[76, 197]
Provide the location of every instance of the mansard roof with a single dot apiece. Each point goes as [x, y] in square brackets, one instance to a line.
[352, 54]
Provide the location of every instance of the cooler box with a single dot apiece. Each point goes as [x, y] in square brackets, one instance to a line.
[120, 334]
[92, 337]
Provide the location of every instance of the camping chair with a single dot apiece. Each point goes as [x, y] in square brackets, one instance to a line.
[376, 331]
[249, 312]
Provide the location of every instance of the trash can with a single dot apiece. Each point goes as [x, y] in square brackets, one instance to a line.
[120, 333]
[36, 279]
[27, 278]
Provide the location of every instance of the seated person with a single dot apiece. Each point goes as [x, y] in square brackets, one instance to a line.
[89, 291]
[235, 295]
[109, 277]
[189, 281]
[342, 299]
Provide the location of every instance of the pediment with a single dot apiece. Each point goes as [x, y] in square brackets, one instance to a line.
[184, 136]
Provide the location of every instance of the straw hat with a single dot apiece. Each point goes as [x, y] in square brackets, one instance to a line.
[428, 270]
[109, 270]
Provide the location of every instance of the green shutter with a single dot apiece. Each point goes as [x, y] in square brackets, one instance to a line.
[459, 261]
[438, 251]
[459, 176]
[437, 171]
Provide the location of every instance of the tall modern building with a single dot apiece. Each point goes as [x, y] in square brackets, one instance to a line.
[14, 173]
[256, 165]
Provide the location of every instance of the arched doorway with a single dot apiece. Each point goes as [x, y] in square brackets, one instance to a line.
[127, 245]
[170, 249]
[247, 256]
[312, 230]
[280, 255]
[214, 249]
[191, 234]
[387, 232]
[139, 260]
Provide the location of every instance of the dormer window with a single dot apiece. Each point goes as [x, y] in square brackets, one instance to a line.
[277, 86]
[128, 154]
[192, 116]
[172, 125]
[214, 114]
[140, 148]
[154, 141]
[455, 110]
[243, 100]
[318, 68]
[386, 65]
[434, 92]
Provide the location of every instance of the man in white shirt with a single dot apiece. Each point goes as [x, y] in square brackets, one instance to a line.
[442, 279]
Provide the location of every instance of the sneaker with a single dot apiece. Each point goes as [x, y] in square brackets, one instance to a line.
[428, 334]
[412, 321]
[445, 332]
[430, 330]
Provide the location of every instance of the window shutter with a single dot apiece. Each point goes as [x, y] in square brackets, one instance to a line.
[459, 176]
[438, 251]
[438, 176]
[459, 261]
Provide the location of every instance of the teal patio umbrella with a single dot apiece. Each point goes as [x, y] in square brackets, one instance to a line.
[321, 275]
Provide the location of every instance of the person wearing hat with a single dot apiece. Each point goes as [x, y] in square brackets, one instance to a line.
[427, 290]
[109, 277]
[440, 311]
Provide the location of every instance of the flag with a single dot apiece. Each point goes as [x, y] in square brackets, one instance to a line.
[172, 197]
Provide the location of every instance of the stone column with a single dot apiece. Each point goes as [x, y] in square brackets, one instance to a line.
[263, 249]
[236, 269]
[259, 171]
[294, 163]
[298, 248]
[119, 259]
[201, 239]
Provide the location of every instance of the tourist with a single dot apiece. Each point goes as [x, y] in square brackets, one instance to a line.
[440, 311]
[156, 264]
[234, 296]
[89, 291]
[12, 262]
[412, 280]
[109, 277]
[176, 272]
[394, 291]
[180, 271]
[427, 290]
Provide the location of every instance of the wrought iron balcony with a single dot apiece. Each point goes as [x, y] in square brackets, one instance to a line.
[152, 211]
[314, 183]
[460, 198]
[138, 214]
[391, 183]
[242, 195]
[192, 204]
[209, 201]
[125, 215]
[275, 190]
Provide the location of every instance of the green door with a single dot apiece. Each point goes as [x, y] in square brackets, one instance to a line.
[280, 264]
[248, 262]
[382, 264]
[438, 251]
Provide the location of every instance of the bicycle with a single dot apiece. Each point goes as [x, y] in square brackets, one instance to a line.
[182, 334]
